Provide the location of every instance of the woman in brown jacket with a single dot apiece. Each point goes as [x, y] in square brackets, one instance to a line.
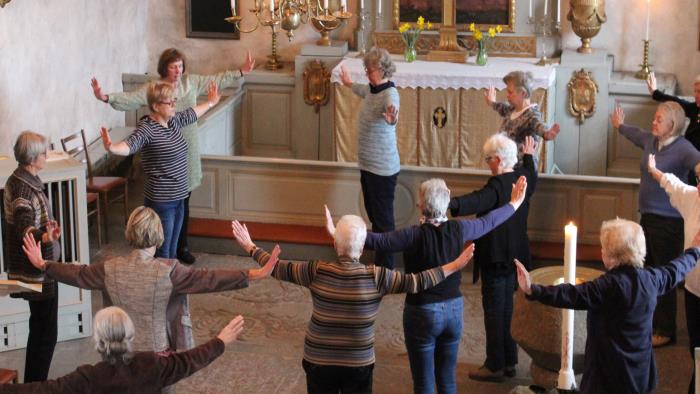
[122, 371]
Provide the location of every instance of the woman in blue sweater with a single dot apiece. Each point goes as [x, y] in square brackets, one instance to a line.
[662, 224]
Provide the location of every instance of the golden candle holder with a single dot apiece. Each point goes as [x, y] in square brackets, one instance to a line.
[325, 23]
[646, 69]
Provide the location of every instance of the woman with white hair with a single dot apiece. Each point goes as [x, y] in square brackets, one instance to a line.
[28, 213]
[125, 371]
[662, 224]
[495, 251]
[521, 118]
[149, 288]
[339, 344]
[690, 108]
[433, 319]
[620, 304]
[377, 155]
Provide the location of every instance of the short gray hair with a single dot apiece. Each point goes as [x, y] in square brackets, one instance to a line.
[675, 114]
[434, 197]
[521, 80]
[623, 243]
[29, 146]
[505, 148]
[380, 58]
[144, 229]
[350, 235]
[113, 332]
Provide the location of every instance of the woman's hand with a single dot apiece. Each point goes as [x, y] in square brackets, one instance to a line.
[651, 82]
[97, 90]
[213, 95]
[53, 232]
[490, 96]
[460, 262]
[391, 116]
[265, 271]
[617, 117]
[552, 132]
[330, 227]
[106, 139]
[653, 171]
[345, 77]
[523, 277]
[529, 145]
[249, 63]
[232, 330]
[242, 237]
[32, 249]
[517, 196]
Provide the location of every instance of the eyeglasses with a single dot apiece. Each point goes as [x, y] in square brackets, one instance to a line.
[489, 158]
[170, 103]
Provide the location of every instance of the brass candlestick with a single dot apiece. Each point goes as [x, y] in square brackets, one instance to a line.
[326, 23]
[646, 67]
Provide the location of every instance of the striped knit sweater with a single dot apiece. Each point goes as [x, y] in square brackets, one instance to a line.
[346, 296]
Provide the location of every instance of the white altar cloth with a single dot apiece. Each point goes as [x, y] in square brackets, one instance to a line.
[442, 75]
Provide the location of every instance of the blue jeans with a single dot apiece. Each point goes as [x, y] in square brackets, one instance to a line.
[171, 214]
[497, 300]
[432, 333]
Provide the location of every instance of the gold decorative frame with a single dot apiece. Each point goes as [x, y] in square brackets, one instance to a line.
[509, 27]
[317, 84]
[3, 3]
[504, 46]
[582, 91]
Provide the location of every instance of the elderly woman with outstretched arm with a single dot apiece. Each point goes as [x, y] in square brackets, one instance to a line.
[339, 344]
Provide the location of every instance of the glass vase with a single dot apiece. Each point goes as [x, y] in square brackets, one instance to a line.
[409, 54]
[481, 56]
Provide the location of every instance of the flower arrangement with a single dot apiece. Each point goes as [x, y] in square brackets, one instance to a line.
[410, 35]
[482, 40]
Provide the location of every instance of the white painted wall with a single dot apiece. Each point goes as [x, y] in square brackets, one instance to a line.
[49, 50]
[674, 36]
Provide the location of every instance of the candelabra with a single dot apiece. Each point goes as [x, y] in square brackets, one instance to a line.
[544, 27]
[288, 15]
[644, 72]
[361, 33]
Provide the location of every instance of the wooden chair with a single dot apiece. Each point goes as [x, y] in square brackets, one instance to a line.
[103, 185]
[94, 199]
[8, 376]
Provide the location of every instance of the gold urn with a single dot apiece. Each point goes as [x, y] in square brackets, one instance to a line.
[586, 17]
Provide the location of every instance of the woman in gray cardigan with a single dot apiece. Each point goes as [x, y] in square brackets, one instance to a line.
[149, 289]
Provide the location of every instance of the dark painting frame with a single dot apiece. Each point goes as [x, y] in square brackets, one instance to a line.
[503, 15]
[205, 19]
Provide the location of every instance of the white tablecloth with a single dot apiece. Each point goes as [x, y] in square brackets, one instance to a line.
[441, 75]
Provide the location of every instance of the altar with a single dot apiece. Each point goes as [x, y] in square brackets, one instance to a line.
[443, 120]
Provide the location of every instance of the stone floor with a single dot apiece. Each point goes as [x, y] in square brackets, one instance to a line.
[267, 358]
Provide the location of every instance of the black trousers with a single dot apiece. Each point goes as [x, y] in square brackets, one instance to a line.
[692, 316]
[41, 342]
[333, 379]
[182, 244]
[497, 301]
[664, 240]
[378, 194]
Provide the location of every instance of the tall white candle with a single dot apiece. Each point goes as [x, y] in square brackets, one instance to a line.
[646, 37]
[529, 15]
[343, 5]
[233, 6]
[558, 12]
[325, 4]
[570, 233]
[272, 6]
[545, 7]
[362, 5]
[379, 7]
[566, 379]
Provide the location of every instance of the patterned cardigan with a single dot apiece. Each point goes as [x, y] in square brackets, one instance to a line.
[27, 209]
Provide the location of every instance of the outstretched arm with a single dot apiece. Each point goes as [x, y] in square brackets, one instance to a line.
[120, 148]
[213, 98]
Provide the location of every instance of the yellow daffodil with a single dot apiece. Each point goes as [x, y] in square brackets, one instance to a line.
[430, 25]
[472, 27]
[492, 32]
[420, 22]
[499, 29]
[478, 36]
[404, 28]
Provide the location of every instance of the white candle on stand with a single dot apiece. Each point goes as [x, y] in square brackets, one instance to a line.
[566, 379]
[558, 12]
[272, 6]
[529, 15]
[647, 35]
[325, 4]
[343, 5]
[379, 7]
[545, 7]
[362, 5]
[233, 6]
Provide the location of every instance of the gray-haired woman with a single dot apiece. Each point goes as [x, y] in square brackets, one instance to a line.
[378, 155]
[28, 212]
[123, 371]
[521, 118]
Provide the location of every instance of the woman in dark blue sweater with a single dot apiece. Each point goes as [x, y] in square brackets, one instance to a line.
[619, 358]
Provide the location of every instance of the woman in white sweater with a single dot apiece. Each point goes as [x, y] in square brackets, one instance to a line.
[686, 199]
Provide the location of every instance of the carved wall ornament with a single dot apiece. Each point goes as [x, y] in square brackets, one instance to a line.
[582, 95]
[317, 84]
[3, 3]
[439, 117]
[505, 46]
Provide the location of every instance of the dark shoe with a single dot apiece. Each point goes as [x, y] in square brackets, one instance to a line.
[185, 256]
[484, 374]
[509, 371]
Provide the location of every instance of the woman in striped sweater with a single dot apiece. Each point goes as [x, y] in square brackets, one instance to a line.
[339, 345]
